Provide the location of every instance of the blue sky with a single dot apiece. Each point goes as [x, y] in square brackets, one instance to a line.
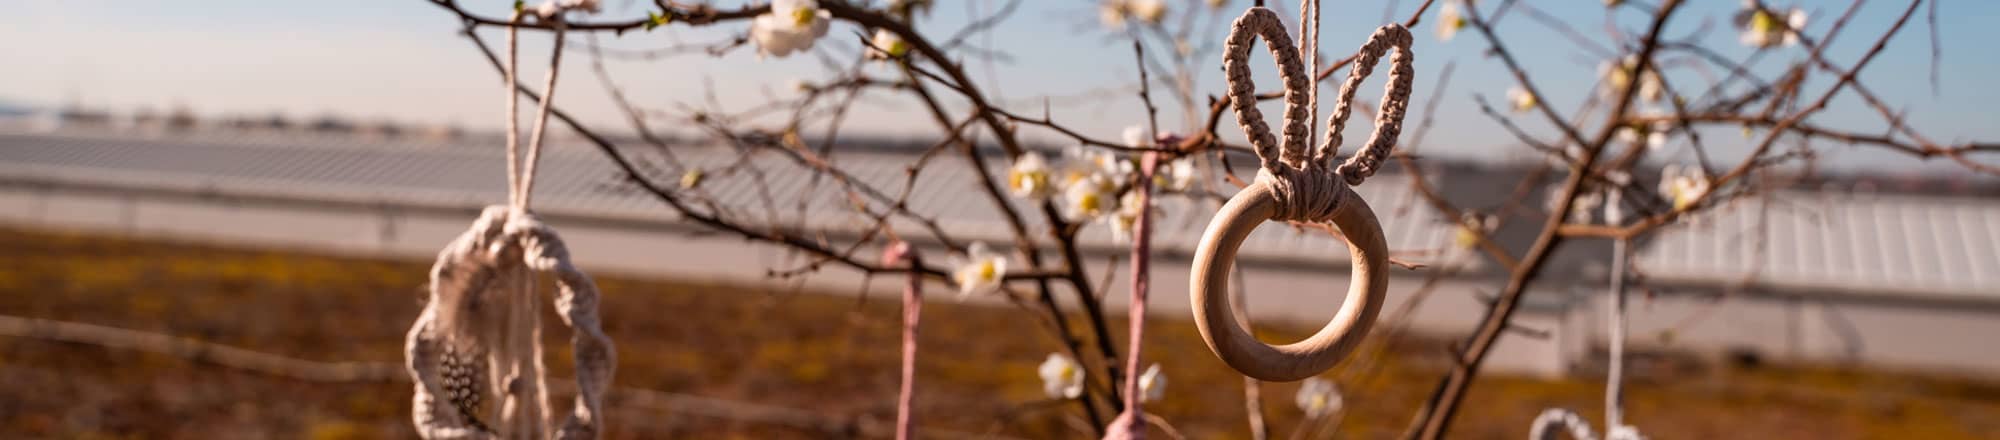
[402, 60]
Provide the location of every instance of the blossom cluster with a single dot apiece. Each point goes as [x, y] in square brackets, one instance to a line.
[1088, 186]
[1095, 185]
[1680, 186]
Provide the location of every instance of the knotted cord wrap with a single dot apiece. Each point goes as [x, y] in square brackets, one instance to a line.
[1301, 198]
[1302, 185]
[479, 334]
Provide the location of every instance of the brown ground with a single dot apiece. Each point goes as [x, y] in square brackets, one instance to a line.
[833, 356]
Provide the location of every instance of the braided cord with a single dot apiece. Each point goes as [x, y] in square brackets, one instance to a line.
[1395, 103]
[1260, 22]
[1309, 45]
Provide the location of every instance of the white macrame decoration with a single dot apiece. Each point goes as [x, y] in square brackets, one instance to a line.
[479, 336]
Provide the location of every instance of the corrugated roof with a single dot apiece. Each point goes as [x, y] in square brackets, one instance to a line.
[1840, 243]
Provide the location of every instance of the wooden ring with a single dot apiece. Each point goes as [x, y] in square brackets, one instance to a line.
[1230, 340]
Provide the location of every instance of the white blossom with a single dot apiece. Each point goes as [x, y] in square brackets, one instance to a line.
[791, 26]
[1080, 163]
[1150, 11]
[1796, 20]
[1135, 137]
[1522, 99]
[1126, 218]
[981, 270]
[1653, 135]
[1090, 180]
[1114, 13]
[551, 8]
[887, 45]
[1657, 132]
[1761, 29]
[1089, 198]
[1472, 224]
[1174, 176]
[1450, 21]
[589, 6]
[1318, 397]
[1111, 13]
[1030, 177]
[1683, 185]
[1582, 211]
[1615, 78]
[1152, 385]
[1061, 377]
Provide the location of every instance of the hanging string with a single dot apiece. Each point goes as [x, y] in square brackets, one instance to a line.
[513, 106]
[525, 404]
[521, 170]
[541, 120]
[1309, 49]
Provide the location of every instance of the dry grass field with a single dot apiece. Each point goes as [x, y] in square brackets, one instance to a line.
[829, 356]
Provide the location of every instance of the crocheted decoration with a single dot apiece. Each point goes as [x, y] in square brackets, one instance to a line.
[458, 351]
[480, 334]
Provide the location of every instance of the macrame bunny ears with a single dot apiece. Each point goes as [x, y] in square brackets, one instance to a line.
[478, 336]
[1303, 180]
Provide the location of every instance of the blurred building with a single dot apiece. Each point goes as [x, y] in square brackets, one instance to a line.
[1895, 273]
